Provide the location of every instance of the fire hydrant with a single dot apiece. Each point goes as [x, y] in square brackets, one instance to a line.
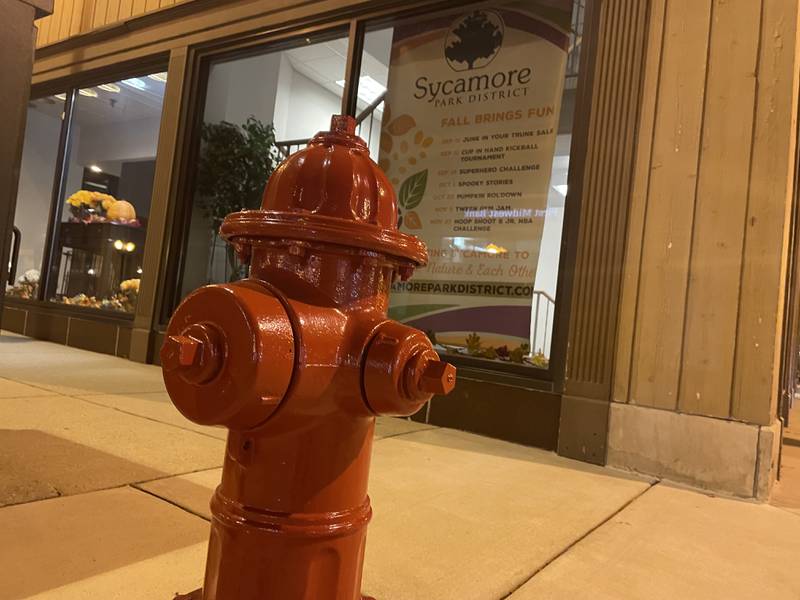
[297, 361]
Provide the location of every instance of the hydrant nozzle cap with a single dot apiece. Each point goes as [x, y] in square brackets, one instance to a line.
[402, 371]
[438, 378]
[228, 356]
[194, 354]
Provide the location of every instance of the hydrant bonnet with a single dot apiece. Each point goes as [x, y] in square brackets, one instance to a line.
[330, 192]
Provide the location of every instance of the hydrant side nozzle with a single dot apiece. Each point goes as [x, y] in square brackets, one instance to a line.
[228, 356]
[402, 371]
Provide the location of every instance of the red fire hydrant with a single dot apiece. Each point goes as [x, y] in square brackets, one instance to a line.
[297, 360]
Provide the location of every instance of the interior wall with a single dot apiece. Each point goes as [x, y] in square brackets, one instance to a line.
[136, 184]
[238, 89]
[121, 141]
[36, 186]
[702, 295]
[307, 107]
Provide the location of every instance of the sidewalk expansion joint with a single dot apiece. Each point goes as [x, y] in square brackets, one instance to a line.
[404, 433]
[185, 509]
[578, 540]
[133, 414]
[60, 494]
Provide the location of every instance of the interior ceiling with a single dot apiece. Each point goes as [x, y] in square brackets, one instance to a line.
[109, 106]
[325, 62]
[322, 62]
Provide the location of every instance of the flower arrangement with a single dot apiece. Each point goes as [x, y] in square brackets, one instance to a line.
[122, 301]
[130, 286]
[95, 207]
[26, 285]
[474, 346]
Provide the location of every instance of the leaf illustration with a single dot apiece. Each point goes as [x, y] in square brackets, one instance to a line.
[386, 142]
[401, 125]
[412, 220]
[413, 189]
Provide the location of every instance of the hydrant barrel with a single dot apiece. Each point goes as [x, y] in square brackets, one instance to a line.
[297, 361]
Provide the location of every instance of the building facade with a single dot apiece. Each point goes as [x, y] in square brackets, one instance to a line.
[606, 189]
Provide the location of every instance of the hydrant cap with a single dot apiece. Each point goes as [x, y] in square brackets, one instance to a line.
[228, 355]
[330, 191]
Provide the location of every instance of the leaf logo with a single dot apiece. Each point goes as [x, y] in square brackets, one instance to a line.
[412, 191]
[474, 40]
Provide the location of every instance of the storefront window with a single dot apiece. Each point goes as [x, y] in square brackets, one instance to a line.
[99, 238]
[258, 110]
[475, 133]
[35, 192]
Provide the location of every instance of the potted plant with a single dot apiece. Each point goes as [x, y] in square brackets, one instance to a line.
[234, 165]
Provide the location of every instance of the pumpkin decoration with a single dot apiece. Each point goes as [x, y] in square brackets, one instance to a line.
[121, 210]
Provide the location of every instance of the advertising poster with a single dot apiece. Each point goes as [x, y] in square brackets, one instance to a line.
[468, 137]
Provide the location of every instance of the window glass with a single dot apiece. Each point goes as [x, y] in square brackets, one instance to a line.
[474, 133]
[99, 238]
[35, 192]
[258, 110]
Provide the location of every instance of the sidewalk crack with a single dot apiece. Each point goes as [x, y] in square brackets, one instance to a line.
[133, 414]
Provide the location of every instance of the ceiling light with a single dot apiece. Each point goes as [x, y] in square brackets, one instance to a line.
[95, 169]
[135, 83]
[118, 244]
[139, 270]
[60, 96]
[368, 88]
[109, 87]
[130, 247]
[561, 189]
[162, 77]
[87, 92]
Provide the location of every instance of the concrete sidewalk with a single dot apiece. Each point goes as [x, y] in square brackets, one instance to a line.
[104, 490]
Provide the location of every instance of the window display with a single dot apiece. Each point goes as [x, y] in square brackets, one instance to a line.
[99, 238]
[475, 136]
[35, 192]
[258, 109]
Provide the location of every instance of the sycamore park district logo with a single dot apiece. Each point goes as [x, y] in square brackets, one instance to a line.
[473, 40]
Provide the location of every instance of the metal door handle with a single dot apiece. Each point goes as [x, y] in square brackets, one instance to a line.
[16, 236]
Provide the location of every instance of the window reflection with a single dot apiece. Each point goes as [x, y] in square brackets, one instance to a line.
[99, 241]
[258, 110]
[35, 191]
[474, 132]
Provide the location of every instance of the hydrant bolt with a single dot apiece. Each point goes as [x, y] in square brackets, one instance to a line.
[194, 354]
[180, 351]
[438, 378]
